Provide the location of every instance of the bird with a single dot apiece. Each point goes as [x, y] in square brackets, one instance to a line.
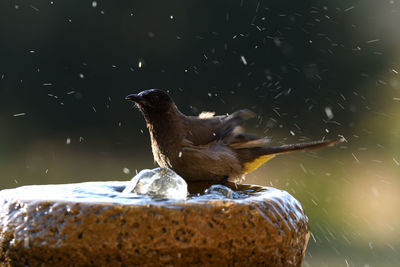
[207, 148]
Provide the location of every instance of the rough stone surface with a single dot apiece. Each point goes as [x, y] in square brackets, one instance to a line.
[93, 224]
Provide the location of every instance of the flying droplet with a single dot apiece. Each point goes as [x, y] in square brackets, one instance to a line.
[328, 112]
[243, 59]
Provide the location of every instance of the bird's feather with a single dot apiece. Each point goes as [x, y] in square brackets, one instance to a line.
[204, 160]
[204, 130]
[249, 143]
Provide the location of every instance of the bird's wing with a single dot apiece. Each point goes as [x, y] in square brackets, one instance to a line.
[215, 160]
[248, 141]
[207, 128]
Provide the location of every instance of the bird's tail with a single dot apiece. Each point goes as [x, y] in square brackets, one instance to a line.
[254, 157]
[275, 150]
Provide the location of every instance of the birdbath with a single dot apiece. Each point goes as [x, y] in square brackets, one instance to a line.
[97, 224]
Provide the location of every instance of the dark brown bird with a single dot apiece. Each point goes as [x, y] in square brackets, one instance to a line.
[207, 147]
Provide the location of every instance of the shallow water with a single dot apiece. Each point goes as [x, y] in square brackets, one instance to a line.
[111, 192]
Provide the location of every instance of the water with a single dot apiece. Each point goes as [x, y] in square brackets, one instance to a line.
[113, 192]
[164, 183]
[158, 182]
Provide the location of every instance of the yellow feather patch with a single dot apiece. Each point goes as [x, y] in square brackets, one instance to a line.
[257, 162]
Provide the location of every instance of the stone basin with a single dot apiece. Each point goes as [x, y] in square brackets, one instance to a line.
[94, 224]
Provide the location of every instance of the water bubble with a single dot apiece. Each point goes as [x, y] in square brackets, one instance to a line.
[159, 182]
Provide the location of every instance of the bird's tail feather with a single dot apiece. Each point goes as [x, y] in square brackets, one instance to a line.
[275, 150]
[261, 154]
[255, 153]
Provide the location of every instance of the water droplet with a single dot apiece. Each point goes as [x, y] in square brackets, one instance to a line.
[328, 112]
[243, 59]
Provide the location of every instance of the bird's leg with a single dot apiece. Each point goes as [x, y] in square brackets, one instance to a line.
[224, 180]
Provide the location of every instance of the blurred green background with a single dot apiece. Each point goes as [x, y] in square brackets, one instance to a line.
[310, 69]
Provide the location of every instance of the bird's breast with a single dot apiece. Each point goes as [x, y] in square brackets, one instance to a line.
[165, 148]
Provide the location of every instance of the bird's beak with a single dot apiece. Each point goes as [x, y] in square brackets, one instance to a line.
[135, 98]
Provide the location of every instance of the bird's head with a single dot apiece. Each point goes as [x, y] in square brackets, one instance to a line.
[153, 101]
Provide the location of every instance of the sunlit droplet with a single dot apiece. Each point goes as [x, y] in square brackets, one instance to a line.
[243, 59]
[328, 112]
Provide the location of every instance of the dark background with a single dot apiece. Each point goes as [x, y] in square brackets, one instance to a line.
[66, 66]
